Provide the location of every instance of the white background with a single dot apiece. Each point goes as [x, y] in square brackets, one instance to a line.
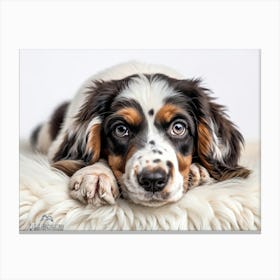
[96, 25]
[49, 77]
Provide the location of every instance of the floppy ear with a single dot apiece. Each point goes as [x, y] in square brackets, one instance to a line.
[219, 145]
[218, 142]
[80, 147]
[81, 142]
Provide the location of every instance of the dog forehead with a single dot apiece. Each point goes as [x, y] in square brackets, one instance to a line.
[149, 93]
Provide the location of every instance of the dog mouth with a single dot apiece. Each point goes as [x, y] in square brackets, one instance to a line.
[157, 196]
[156, 199]
[138, 195]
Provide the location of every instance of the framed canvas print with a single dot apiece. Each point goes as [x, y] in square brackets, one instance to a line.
[131, 134]
[139, 140]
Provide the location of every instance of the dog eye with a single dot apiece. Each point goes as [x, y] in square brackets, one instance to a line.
[178, 128]
[121, 131]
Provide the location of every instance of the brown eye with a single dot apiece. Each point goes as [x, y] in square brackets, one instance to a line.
[178, 128]
[121, 131]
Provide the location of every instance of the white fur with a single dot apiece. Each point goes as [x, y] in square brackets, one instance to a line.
[44, 139]
[148, 95]
[137, 193]
[229, 205]
[220, 150]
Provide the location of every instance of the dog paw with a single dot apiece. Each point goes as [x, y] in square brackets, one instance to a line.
[94, 184]
[199, 176]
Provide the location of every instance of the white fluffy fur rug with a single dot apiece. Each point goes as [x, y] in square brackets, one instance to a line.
[231, 205]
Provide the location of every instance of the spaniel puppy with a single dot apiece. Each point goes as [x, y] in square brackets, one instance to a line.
[142, 130]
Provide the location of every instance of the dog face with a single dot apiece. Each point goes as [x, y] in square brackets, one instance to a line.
[149, 141]
[150, 128]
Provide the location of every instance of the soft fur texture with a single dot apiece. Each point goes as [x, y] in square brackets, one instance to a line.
[229, 205]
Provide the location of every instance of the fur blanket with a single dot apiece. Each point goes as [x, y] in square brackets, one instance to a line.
[230, 205]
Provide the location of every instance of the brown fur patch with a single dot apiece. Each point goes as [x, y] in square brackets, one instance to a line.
[218, 172]
[184, 163]
[69, 167]
[131, 116]
[94, 142]
[167, 112]
[204, 143]
[239, 172]
[204, 149]
[117, 164]
[130, 152]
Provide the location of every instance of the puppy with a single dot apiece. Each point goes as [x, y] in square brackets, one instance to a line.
[142, 130]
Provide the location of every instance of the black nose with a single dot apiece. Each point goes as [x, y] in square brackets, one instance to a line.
[152, 180]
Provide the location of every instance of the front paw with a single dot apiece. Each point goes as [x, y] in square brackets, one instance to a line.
[95, 184]
[198, 176]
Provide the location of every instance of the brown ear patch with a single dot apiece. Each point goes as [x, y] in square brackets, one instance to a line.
[130, 152]
[218, 170]
[204, 143]
[69, 167]
[167, 112]
[130, 115]
[117, 163]
[94, 142]
[236, 172]
[184, 163]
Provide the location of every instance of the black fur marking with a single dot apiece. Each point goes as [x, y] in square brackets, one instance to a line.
[151, 112]
[121, 103]
[100, 97]
[120, 146]
[169, 163]
[155, 151]
[184, 146]
[156, 160]
[64, 151]
[34, 135]
[137, 133]
[67, 151]
[152, 142]
[57, 119]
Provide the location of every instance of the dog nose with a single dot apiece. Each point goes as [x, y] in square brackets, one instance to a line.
[152, 180]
